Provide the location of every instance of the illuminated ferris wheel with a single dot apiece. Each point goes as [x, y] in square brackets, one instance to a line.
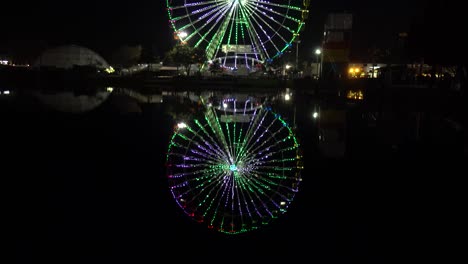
[236, 167]
[238, 33]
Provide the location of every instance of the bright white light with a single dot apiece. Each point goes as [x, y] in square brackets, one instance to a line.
[315, 115]
[288, 67]
[181, 125]
[318, 51]
[183, 34]
[110, 89]
[6, 92]
[225, 105]
[287, 97]
[236, 2]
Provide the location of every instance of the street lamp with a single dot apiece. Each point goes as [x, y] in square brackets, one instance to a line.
[297, 53]
[319, 63]
[182, 35]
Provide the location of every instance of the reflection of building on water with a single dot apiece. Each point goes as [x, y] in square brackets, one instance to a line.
[341, 125]
[68, 101]
[332, 134]
[140, 97]
[75, 102]
[217, 97]
[355, 95]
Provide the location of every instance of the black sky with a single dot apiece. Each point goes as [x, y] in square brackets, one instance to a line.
[104, 25]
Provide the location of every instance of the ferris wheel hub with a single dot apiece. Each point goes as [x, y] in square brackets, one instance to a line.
[233, 167]
[241, 2]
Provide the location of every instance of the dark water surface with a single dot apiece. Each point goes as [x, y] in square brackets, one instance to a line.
[90, 187]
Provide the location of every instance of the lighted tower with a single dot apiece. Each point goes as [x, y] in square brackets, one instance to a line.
[336, 44]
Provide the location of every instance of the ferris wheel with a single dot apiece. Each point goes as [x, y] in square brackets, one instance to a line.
[238, 33]
[236, 167]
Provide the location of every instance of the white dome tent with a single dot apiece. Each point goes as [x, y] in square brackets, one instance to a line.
[67, 56]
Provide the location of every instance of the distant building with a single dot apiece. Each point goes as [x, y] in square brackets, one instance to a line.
[4, 59]
[364, 70]
[69, 56]
[336, 44]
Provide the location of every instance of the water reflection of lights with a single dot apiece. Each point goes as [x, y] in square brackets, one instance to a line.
[72, 101]
[355, 95]
[287, 94]
[230, 147]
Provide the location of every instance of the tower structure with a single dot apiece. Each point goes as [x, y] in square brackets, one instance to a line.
[336, 44]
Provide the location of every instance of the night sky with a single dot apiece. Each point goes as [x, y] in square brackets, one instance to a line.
[105, 25]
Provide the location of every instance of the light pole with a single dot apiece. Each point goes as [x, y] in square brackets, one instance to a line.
[319, 63]
[297, 54]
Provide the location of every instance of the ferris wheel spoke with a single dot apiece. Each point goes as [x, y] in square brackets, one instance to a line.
[199, 150]
[255, 36]
[260, 193]
[217, 14]
[271, 143]
[238, 204]
[212, 148]
[206, 189]
[259, 142]
[233, 145]
[268, 3]
[276, 189]
[240, 144]
[253, 204]
[212, 143]
[265, 185]
[266, 14]
[199, 3]
[225, 196]
[191, 16]
[214, 124]
[254, 126]
[269, 37]
[273, 162]
[283, 12]
[264, 41]
[214, 44]
[258, 46]
[203, 13]
[246, 195]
